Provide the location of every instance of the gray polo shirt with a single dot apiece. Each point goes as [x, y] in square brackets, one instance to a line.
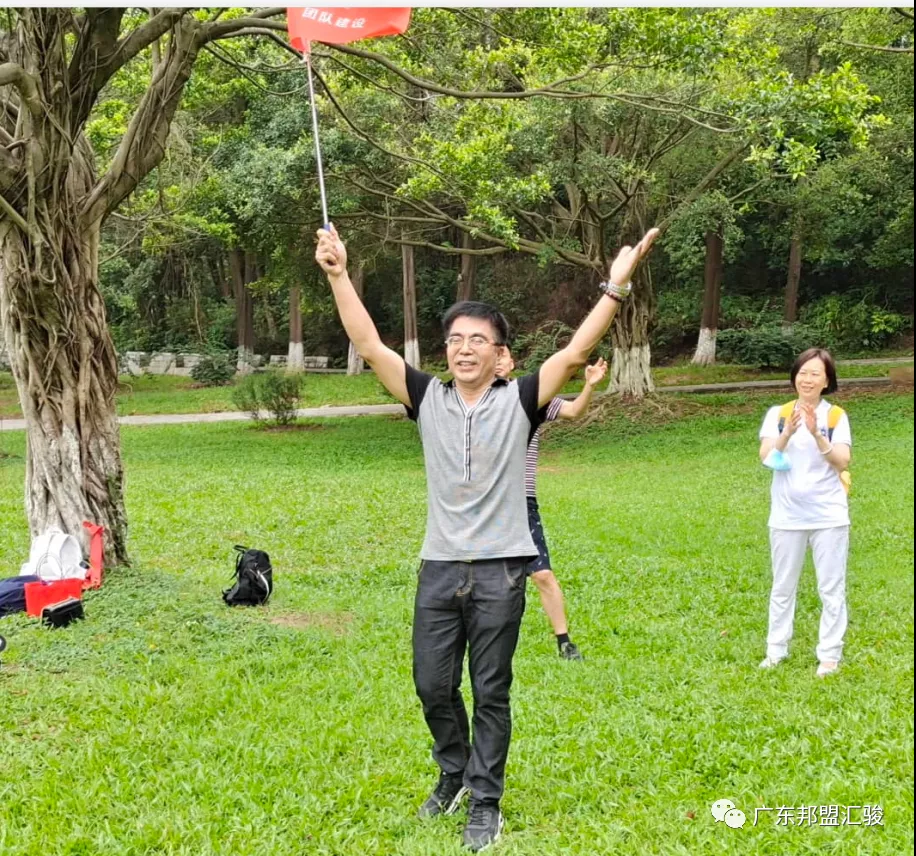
[475, 467]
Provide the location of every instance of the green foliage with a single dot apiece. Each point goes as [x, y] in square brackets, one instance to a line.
[743, 310]
[545, 175]
[848, 323]
[215, 369]
[530, 350]
[804, 122]
[273, 393]
[767, 346]
[685, 238]
[677, 314]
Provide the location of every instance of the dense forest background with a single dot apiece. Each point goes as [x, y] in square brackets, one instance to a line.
[776, 146]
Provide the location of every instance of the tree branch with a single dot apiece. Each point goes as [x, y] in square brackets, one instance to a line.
[8, 211]
[145, 35]
[670, 142]
[750, 189]
[548, 91]
[363, 135]
[452, 251]
[464, 14]
[215, 30]
[26, 85]
[223, 57]
[99, 56]
[878, 48]
[680, 113]
[701, 188]
[143, 145]
[400, 218]
[269, 13]
[547, 241]
[524, 245]
[667, 101]
[380, 86]
[254, 25]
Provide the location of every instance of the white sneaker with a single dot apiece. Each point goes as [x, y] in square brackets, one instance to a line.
[828, 667]
[770, 663]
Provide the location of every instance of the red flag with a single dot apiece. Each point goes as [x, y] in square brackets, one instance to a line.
[342, 25]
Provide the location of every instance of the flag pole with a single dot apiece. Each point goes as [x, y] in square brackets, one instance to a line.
[307, 59]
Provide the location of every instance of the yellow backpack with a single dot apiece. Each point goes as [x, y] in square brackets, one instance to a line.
[833, 419]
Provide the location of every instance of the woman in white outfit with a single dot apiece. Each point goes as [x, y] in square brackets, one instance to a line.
[808, 448]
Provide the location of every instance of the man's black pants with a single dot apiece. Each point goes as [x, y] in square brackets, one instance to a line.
[478, 606]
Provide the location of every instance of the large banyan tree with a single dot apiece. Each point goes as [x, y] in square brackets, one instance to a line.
[54, 65]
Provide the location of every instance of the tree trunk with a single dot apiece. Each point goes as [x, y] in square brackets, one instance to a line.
[240, 265]
[355, 362]
[411, 344]
[199, 319]
[630, 373]
[705, 354]
[295, 361]
[467, 275]
[794, 278]
[269, 317]
[66, 372]
[220, 280]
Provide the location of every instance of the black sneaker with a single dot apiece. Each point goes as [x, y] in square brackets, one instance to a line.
[569, 651]
[445, 797]
[485, 823]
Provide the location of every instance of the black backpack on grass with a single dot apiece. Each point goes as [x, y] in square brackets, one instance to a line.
[254, 581]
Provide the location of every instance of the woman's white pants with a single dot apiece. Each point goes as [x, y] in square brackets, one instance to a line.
[829, 548]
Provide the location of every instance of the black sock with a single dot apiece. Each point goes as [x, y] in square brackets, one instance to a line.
[561, 638]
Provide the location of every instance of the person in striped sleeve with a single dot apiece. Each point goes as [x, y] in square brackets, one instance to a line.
[539, 570]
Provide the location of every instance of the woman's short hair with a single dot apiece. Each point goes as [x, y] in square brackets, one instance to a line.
[816, 354]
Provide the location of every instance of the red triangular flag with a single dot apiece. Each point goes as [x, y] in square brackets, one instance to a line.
[342, 25]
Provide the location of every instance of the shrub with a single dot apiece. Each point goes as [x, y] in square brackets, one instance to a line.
[768, 346]
[676, 323]
[216, 369]
[678, 312]
[740, 310]
[530, 350]
[848, 323]
[274, 393]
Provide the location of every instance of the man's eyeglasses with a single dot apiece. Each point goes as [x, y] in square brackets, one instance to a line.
[475, 342]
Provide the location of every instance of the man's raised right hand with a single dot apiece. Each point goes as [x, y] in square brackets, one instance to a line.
[331, 254]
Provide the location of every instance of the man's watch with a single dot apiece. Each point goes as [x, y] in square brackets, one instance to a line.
[617, 292]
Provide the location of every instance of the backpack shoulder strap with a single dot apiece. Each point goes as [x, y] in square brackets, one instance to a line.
[785, 412]
[238, 559]
[834, 415]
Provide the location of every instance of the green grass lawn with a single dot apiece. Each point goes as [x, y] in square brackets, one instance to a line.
[686, 374]
[149, 394]
[152, 394]
[166, 723]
